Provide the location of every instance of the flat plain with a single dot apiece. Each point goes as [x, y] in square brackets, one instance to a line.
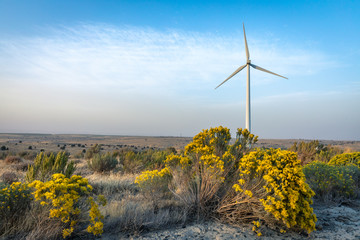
[75, 143]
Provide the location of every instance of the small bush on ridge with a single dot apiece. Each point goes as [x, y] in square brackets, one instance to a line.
[92, 151]
[134, 162]
[102, 162]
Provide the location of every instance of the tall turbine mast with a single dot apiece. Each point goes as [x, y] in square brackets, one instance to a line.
[248, 64]
[248, 112]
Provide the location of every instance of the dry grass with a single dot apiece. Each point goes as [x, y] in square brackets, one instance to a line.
[35, 224]
[237, 209]
[113, 185]
[128, 210]
[9, 177]
[12, 159]
[134, 214]
[18, 169]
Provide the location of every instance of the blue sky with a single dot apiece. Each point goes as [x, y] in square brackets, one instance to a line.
[150, 67]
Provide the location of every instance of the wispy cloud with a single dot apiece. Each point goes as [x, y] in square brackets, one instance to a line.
[106, 79]
[136, 58]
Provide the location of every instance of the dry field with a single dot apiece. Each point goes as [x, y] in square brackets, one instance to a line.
[74, 143]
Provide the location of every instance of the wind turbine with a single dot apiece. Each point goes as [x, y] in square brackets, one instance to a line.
[248, 64]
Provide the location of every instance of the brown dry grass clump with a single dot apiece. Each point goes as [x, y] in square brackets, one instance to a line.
[9, 177]
[34, 224]
[23, 167]
[12, 159]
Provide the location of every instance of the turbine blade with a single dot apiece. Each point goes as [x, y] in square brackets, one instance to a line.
[236, 71]
[246, 46]
[264, 70]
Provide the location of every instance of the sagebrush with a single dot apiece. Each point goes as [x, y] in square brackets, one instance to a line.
[227, 181]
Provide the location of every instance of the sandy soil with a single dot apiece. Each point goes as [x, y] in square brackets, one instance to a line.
[335, 222]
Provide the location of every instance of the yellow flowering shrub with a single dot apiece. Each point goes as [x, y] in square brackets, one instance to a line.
[199, 174]
[198, 177]
[154, 184]
[173, 161]
[346, 159]
[215, 177]
[272, 181]
[210, 141]
[15, 200]
[334, 183]
[64, 195]
[255, 228]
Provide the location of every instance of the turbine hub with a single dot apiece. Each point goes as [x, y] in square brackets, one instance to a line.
[248, 61]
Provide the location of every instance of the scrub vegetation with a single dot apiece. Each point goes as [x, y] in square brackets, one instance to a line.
[129, 190]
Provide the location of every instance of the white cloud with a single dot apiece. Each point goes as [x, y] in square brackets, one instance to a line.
[131, 58]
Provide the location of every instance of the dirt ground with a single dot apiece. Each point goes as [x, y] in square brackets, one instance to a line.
[334, 222]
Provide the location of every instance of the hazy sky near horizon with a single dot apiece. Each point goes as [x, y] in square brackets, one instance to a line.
[150, 67]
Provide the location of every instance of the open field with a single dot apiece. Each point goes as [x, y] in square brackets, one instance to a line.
[75, 143]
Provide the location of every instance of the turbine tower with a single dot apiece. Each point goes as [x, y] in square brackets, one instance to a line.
[248, 64]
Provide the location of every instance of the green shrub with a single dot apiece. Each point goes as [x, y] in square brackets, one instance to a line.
[333, 183]
[134, 162]
[79, 155]
[325, 154]
[346, 159]
[92, 151]
[130, 162]
[314, 151]
[4, 148]
[46, 165]
[15, 200]
[155, 159]
[102, 162]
